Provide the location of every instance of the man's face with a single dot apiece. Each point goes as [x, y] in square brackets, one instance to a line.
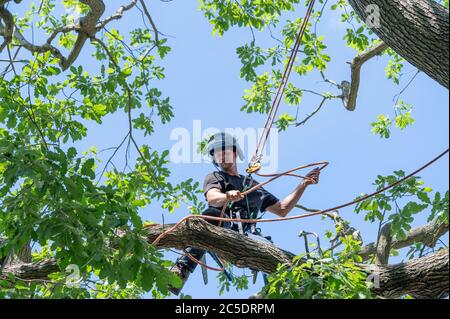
[226, 159]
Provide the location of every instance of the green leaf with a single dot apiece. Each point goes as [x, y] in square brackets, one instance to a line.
[88, 168]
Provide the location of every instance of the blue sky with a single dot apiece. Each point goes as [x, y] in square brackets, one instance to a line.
[202, 80]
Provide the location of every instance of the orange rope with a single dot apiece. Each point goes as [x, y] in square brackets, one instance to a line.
[284, 80]
[201, 263]
[254, 221]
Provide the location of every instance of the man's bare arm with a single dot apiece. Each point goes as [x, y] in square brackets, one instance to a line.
[217, 199]
[282, 208]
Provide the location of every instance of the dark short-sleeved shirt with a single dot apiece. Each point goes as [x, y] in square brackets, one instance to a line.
[258, 201]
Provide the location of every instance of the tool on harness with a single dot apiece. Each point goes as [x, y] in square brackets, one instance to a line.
[221, 265]
[204, 270]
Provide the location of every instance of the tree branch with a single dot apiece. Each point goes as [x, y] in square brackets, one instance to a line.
[150, 19]
[230, 245]
[356, 65]
[30, 271]
[384, 245]
[427, 234]
[418, 30]
[86, 28]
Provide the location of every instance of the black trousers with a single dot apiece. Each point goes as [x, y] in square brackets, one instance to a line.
[196, 252]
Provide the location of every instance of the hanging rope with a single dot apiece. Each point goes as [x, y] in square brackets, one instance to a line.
[254, 164]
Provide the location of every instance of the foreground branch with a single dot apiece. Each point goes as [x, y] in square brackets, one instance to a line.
[230, 245]
[425, 277]
[30, 271]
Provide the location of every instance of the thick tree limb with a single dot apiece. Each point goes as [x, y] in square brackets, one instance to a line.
[427, 234]
[31, 271]
[356, 64]
[418, 30]
[425, 277]
[8, 29]
[230, 245]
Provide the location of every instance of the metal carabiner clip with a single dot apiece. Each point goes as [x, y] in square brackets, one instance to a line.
[254, 165]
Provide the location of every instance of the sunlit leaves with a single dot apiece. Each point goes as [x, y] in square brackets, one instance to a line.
[394, 67]
[390, 206]
[237, 282]
[249, 13]
[382, 126]
[312, 277]
[259, 97]
[284, 121]
[252, 57]
[357, 39]
[403, 119]
[403, 115]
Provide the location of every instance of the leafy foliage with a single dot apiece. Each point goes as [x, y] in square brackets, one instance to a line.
[403, 119]
[68, 203]
[320, 276]
[389, 207]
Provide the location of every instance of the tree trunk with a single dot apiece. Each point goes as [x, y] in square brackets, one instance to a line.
[426, 277]
[418, 30]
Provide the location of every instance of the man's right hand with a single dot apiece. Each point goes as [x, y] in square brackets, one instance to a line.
[234, 196]
[312, 177]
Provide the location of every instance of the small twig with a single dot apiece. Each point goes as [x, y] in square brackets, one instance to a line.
[313, 113]
[397, 96]
[150, 19]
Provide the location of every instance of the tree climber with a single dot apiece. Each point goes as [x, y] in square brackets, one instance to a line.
[226, 185]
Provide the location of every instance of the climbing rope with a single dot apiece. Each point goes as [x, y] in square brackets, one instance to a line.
[255, 163]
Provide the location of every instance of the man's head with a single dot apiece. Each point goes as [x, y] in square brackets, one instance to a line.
[224, 150]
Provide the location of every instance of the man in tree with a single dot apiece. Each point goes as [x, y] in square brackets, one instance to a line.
[226, 185]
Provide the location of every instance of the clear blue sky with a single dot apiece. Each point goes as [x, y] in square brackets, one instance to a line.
[202, 80]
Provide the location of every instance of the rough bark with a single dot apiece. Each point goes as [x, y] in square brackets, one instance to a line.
[418, 30]
[426, 277]
[230, 245]
[384, 245]
[31, 271]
